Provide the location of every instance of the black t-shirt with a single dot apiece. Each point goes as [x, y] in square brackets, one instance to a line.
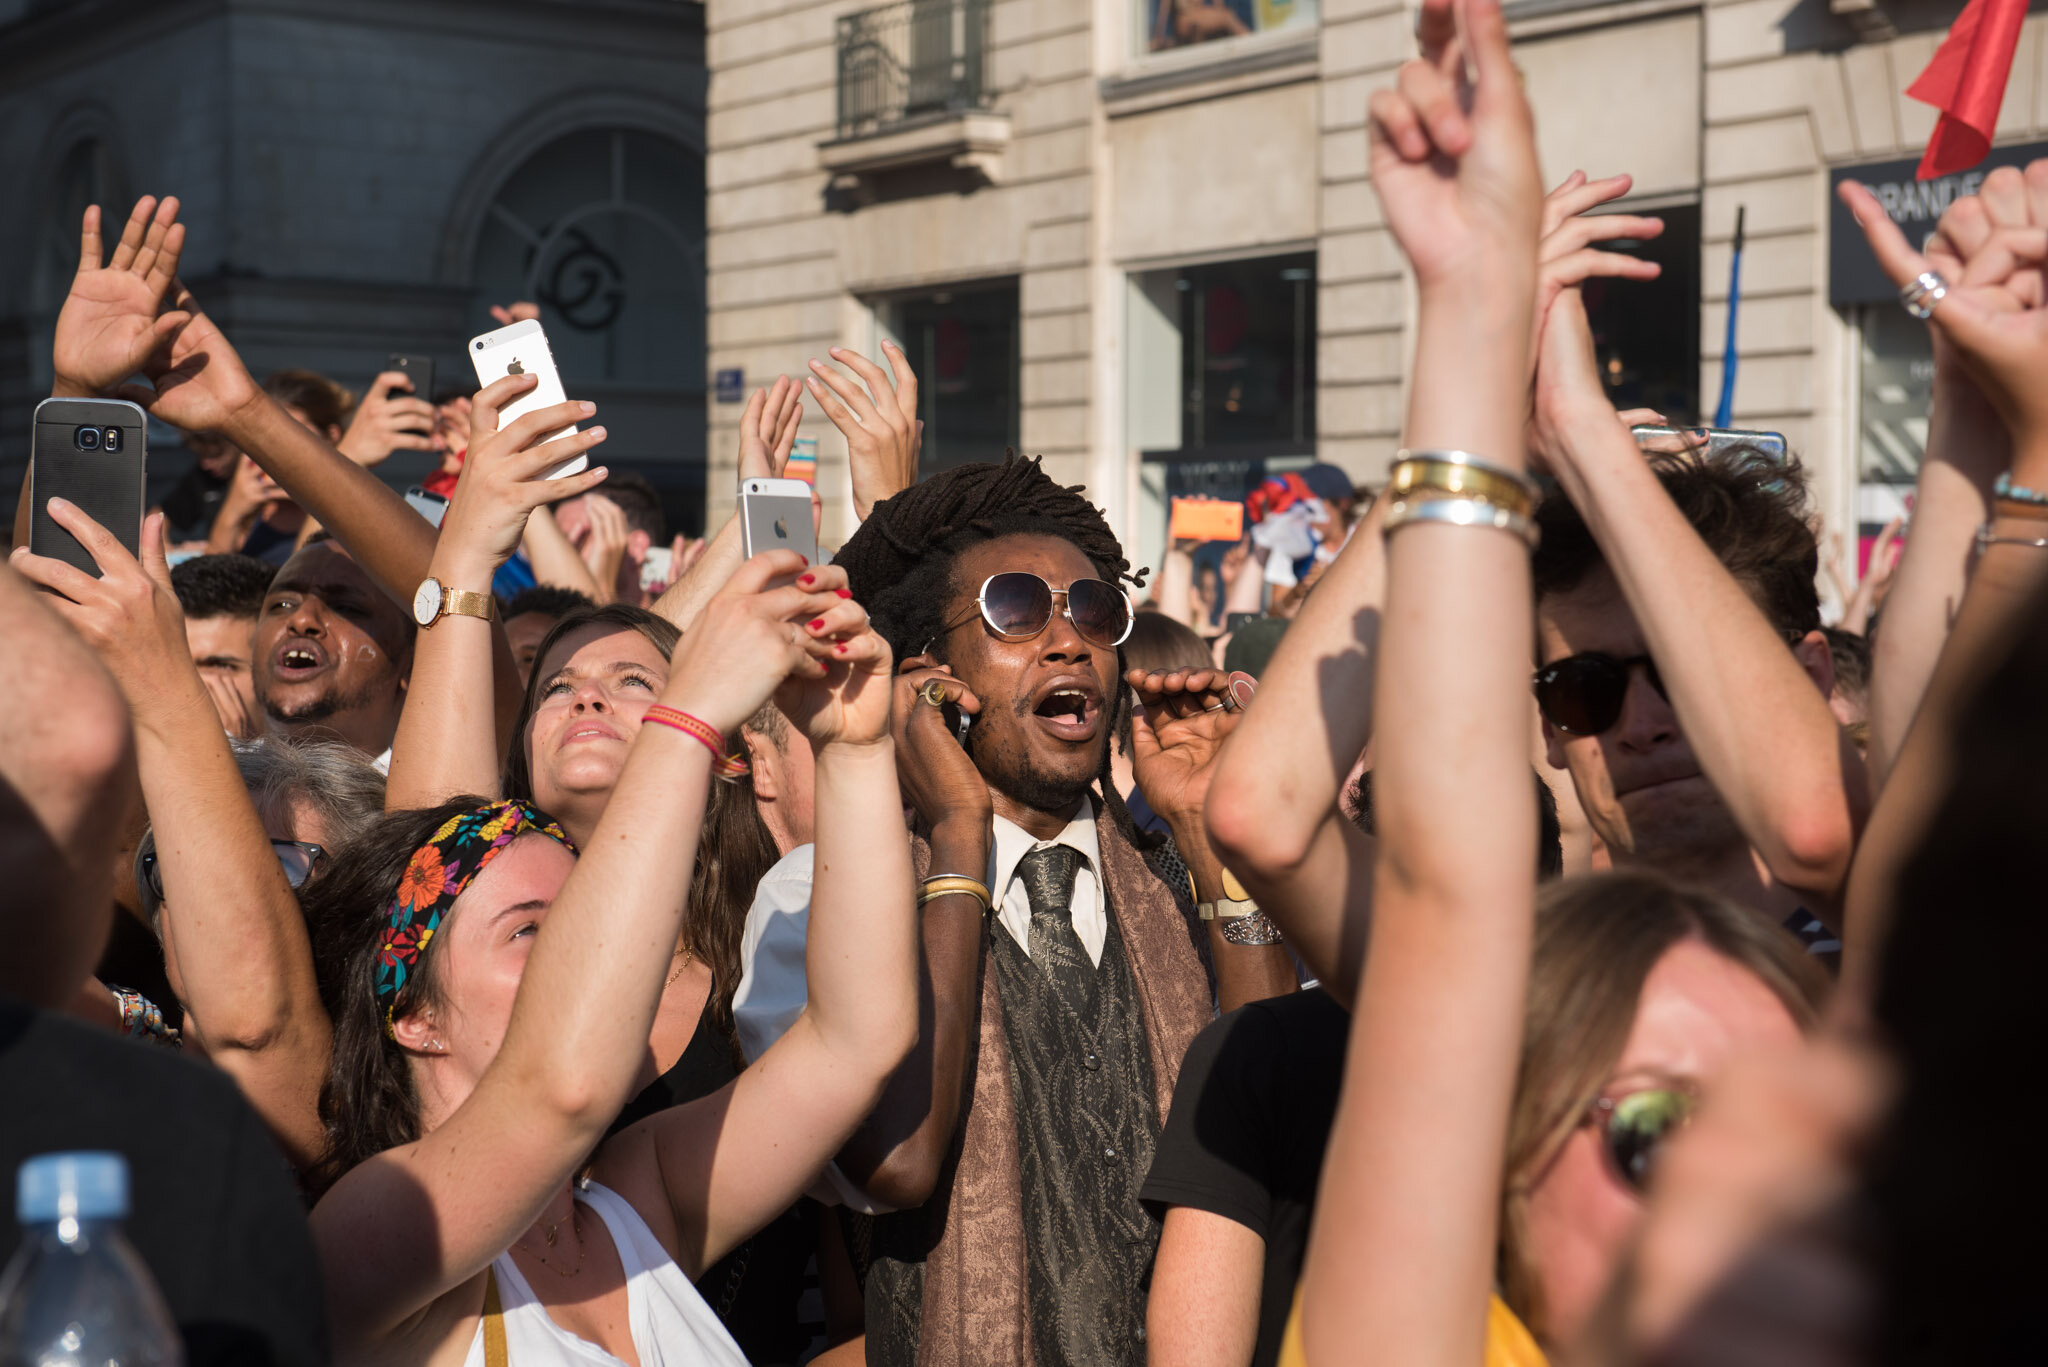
[1251, 1117]
[214, 1212]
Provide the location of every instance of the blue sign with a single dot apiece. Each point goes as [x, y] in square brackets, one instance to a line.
[732, 385]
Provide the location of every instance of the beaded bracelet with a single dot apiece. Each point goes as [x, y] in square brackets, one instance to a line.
[2006, 491]
[690, 726]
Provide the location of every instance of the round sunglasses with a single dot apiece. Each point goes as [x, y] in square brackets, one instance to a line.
[1583, 694]
[1635, 1125]
[1017, 605]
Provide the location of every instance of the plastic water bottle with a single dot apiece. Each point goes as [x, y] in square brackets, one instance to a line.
[76, 1294]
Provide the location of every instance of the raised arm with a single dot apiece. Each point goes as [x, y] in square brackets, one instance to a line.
[235, 945]
[404, 1227]
[733, 1161]
[1273, 809]
[1402, 1255]
[1967, 450]
[767, 432]
[447, 741]
[1994, 316]
[880, 423]
[67, 769]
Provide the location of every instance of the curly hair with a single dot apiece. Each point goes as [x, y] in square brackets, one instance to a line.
[1751, 510]
[221, 585]
[900, 563]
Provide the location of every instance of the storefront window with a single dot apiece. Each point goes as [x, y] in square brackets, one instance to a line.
[1646, 333]
[1897, 384]
[964, 345]
[1164, 24]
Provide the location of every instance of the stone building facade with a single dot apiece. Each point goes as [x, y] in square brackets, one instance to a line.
[362, 177]
[1145, 245]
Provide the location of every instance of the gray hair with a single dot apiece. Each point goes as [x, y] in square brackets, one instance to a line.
[333, 779]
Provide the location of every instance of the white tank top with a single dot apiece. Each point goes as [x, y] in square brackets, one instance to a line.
[671, 1323]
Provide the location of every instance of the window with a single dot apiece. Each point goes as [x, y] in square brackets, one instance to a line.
[1164, 24]
[1220, 385]
[1646, 333]
[605, 230]
[964, 345]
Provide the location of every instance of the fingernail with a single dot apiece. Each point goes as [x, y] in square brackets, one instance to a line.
[806, 579]
[816, 622]
[844, 593]
[833, 350]
[595, 432]
[890, 345]
[839, 649]
[587, 406]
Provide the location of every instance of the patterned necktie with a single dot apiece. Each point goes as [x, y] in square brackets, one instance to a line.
[1048, 876]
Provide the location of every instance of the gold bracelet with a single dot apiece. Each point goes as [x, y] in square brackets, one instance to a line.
[1419, 475]
[1460, 512]
[948, 884]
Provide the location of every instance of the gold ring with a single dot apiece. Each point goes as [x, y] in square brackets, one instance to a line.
[933, 691]
[1216, 707]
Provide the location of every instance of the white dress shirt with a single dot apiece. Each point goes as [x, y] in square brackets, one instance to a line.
[1013, 904]
[772, 989]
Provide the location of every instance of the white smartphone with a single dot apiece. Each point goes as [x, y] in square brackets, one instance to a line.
[656, 567]
[522, 349]
[775, 515]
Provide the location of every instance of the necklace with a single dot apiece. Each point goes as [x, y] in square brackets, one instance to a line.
[682, 962]
[549, 1239]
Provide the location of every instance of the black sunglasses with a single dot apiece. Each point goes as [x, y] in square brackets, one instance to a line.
[297, 857]
[1582, 694]
[1634, 1127]
[1017, 605]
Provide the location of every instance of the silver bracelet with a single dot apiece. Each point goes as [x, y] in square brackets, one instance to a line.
[1460, 512]
[1985, 540]
[1255, 929]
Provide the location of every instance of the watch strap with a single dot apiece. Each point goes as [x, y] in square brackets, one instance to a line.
[467, 603]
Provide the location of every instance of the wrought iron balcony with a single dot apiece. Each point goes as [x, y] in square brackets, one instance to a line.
[913, 60]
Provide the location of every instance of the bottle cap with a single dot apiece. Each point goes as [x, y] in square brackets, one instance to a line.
[80, 1186]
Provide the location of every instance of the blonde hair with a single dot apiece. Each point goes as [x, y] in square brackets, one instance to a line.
[1597, 938]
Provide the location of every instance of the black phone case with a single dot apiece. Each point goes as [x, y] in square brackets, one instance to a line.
[106, 485]
[418, 369]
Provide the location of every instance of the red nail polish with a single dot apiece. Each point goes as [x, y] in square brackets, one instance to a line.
[817, 622]
[805, 579]
[844, 593]
[839, 649]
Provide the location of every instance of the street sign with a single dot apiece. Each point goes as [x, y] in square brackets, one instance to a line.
[731, 385]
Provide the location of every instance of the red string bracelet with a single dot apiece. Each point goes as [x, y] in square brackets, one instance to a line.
[689, 726]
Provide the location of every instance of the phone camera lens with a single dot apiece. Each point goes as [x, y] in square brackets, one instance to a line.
[479, 346]
[87, 438]
[113, 441]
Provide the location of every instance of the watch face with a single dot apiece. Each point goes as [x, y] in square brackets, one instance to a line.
[426, 602]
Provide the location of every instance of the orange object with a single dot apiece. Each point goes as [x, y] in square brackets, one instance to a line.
[1206, 519]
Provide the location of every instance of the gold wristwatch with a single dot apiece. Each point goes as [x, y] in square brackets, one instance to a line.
[432, 601]
[1234, 902]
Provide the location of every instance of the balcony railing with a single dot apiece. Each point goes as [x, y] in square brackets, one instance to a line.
[912, 59]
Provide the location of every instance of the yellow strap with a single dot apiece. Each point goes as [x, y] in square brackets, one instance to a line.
[494, 1323]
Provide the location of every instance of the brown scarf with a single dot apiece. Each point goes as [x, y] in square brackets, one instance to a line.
[974, 1313]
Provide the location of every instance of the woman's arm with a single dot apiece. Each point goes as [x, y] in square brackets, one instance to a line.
[554, 558]
[1206, 1283]
[235, 945]
[731, 1162]
[405, 1227]
[1402, 1255]
[447, 741]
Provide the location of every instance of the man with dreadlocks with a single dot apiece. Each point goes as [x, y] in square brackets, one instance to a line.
[1062, 1000]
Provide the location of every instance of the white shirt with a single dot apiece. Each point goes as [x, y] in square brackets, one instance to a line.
[1013, 904]
[772, 989]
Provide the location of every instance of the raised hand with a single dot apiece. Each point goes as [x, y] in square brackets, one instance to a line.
[768, 429]
[603, 545]
[937, 775]
[755, 633]
[849, 704]
[1566, 256]
[385, 422]
[518, 311]
[201, 383]
[1993, 311]
[501, 484]
[1179, 726]
[128, 615]
[1453, 150]
[114, 317]
[880, 422]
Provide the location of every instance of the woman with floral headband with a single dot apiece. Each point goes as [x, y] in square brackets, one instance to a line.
[493, 993]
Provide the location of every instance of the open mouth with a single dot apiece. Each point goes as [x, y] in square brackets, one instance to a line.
[1069, 712]
[589, 730]
[298, 659]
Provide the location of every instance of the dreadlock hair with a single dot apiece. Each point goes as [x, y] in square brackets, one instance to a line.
[900, 564]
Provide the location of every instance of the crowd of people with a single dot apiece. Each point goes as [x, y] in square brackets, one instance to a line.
[1488, 917]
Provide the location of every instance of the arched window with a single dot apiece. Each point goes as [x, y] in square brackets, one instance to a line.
[605, 230]
[84, 175]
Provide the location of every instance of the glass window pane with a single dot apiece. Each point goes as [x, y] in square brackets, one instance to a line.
[1897, 384]
[1248, 351]
[1163, 24]
[964, 345]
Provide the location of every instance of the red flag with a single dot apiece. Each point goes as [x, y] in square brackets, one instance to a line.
[1966, 82]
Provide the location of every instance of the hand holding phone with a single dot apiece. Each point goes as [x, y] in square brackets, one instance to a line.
[522, 349]
[775, 515]
[92, 453]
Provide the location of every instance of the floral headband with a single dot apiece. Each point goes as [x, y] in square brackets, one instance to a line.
[437, 874]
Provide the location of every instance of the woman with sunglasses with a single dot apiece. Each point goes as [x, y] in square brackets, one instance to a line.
[235, 946]
[494, 992]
